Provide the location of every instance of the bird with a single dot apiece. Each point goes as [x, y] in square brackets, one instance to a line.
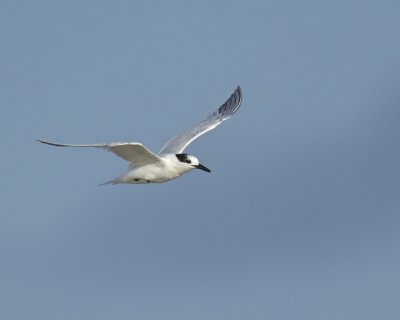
[171, 161]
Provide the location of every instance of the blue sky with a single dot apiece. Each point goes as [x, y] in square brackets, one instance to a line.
[300, 216]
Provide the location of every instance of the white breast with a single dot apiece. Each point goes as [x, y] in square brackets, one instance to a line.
[170, 168]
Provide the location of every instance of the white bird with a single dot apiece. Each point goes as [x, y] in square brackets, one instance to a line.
[170, 163]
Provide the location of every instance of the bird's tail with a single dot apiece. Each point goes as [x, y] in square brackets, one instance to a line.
[113, 181]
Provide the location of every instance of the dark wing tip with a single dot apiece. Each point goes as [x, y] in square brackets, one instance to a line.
[51, 143]
[232, 104]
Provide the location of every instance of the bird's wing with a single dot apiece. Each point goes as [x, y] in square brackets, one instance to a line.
[179, 142]
[133, 152]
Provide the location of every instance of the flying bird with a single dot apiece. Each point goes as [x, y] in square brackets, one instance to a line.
[170, 163]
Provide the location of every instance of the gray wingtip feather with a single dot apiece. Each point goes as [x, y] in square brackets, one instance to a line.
[51, 143]
[232, 104]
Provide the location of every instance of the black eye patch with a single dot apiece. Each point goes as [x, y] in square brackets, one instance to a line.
[182, 157]
[188, 161]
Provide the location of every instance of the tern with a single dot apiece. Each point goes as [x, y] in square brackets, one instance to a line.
[170, 163]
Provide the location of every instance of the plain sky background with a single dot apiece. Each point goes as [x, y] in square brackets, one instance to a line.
[300, 218]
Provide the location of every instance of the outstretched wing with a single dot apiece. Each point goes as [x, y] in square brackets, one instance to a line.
[179, 142]
[133, 152]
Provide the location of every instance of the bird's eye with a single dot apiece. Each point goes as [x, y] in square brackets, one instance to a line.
[188, 161]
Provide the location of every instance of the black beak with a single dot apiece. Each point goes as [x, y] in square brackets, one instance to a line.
[201, 167]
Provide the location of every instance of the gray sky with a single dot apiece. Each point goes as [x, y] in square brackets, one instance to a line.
[300, 217]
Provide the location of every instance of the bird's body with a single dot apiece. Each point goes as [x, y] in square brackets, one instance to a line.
[168, 168]
[170, 163]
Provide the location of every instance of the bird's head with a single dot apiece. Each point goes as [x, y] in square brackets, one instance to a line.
[191, 162]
